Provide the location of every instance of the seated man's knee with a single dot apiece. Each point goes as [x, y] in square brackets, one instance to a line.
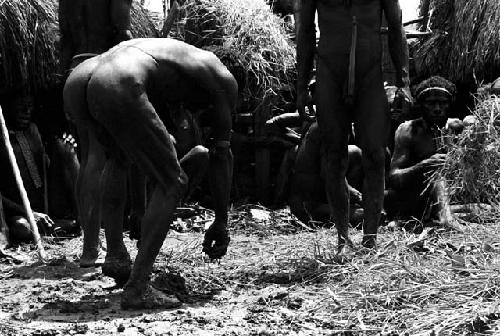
[19, 229]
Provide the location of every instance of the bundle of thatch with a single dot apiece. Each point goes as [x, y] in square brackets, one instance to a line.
[472, 168]
[29, 38]
[465, 45]
[248, 38]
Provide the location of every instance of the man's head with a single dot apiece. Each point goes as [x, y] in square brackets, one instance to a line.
[435, 95]
[20, 110]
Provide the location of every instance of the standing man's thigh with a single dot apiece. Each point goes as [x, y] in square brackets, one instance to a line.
[332, 114]
[372, 115]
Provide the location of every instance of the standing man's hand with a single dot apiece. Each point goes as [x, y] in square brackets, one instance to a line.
[304, 100]
[404, 94]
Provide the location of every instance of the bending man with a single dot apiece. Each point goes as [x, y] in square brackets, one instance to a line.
[123, 98]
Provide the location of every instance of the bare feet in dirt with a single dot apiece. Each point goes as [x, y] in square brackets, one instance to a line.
[91, 259]
[150, 298]
[118, 268]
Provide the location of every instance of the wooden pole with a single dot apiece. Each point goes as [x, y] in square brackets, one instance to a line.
[22, 190]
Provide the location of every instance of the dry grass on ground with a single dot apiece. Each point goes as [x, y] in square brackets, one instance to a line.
[275, 280]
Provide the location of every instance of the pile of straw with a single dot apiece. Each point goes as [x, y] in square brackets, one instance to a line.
[472, 167]
[29, 42]
[247, 37]
[465, 46]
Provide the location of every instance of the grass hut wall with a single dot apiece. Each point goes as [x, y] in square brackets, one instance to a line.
[247, 37]
[465, 44]
[29, 42]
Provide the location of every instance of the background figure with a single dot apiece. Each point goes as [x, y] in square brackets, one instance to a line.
[418, 152]
[350, 89]
[30, 156]
[92, 26]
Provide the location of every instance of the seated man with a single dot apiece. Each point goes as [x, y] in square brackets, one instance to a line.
[418, 152]
[121, 98]
[30, 155]
[303, 171]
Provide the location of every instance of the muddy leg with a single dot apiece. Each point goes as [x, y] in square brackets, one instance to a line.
[138, 293]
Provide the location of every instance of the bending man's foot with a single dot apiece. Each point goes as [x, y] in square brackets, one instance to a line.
[118, 268]
[150, 298]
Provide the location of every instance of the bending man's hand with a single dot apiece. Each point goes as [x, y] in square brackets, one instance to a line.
[216, 241]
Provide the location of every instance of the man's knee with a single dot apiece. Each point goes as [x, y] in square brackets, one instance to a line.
[337, 159]
[19, 229]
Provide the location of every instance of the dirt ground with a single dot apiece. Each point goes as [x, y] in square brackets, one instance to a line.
[277, 279]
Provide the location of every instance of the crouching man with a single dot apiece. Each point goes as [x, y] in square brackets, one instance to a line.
[123, 98]
[419, 151]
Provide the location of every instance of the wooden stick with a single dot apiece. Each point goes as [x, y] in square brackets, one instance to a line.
[22, 190]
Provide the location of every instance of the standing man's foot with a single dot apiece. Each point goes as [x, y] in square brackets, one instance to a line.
[91, 259]
[118, 268]
[369, 240]
[149, 298]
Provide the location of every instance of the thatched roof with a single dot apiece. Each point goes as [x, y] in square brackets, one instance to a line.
[465, 43]
[29, 42]
[248, 39]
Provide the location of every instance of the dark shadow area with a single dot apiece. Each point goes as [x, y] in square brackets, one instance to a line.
[54, 269]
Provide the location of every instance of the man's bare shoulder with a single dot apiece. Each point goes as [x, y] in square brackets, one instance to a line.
[410, 128]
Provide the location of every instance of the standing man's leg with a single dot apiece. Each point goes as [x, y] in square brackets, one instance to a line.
[334, 123]
[372, 120]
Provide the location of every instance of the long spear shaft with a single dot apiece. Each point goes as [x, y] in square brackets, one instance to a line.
[22, 190]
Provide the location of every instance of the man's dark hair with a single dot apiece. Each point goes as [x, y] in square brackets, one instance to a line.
[435, 83]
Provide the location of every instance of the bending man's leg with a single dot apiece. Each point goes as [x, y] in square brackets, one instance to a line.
[113, 197]
[87, 190]
[155, 225]
[134, 125]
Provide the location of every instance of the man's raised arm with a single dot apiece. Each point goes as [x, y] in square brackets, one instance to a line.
[306, 44]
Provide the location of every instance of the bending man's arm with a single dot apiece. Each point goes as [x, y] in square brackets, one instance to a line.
[398, 46]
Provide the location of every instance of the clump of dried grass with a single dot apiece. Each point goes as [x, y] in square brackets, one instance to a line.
[466, 41]
[247, 37]
[472, 167]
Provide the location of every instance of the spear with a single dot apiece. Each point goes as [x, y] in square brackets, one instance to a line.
[22, 190]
